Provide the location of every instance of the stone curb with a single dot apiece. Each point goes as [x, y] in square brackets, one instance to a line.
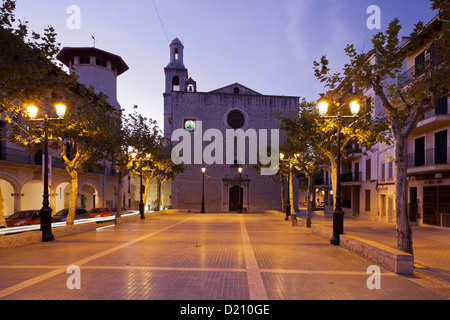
[19, 240]
[391, 259]
[24, 239]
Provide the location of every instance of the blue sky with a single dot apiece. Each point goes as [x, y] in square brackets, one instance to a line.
[266, 45]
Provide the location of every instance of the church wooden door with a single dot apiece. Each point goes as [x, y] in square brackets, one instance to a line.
[235, 198]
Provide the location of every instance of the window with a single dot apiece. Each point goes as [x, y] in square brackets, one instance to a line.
[391, 170]
[419, 63]
[236, 90]
[177, 55]
[442, 106]
[84, 60]
[419, 152]
[367, 200]
[236, 119]
[383, 171]
[440, 143]
[175, 84]
[368, 169]
[101, 63]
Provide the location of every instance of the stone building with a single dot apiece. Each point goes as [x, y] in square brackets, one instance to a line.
[200, 114]
[21, 175]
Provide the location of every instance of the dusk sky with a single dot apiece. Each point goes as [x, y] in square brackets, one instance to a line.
[266, 45]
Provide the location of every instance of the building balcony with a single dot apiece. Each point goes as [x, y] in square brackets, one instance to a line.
[351, 177]
[429, 161]
[16, 156]
[434, 119]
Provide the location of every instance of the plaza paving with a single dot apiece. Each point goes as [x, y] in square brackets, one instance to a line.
[180, 256]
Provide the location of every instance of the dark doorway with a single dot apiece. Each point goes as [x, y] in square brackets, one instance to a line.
[436, 206]
[235, 198]
[413, 207]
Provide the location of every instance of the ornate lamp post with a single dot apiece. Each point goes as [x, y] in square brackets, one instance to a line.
[46, 211]
[338, 214]
[141, 186]
[240, 169]
[203, 190]
[288, 203]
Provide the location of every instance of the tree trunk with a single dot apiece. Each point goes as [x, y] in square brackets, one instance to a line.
[309, 193]
[73, 198]
[119, 203]
[147, 182]
[291, 195]
[404, 231]
[283, 196]
[159, 198]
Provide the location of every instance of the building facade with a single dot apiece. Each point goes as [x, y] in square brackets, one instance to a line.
[21, 177]
[226, 109]
[368, 181]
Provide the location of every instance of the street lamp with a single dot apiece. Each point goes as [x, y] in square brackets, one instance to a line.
[46, 211]
[203, 190]
[240, 169]
[288, 203]
[338, 214]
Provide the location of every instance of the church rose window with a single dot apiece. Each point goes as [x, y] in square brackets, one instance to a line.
[236, 119]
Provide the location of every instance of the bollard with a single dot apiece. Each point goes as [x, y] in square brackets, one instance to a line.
[294, 219]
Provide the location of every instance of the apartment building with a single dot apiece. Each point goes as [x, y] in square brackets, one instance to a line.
[368, 181]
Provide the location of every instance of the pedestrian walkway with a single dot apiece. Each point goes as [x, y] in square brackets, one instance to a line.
[431, 245]
[180, 256]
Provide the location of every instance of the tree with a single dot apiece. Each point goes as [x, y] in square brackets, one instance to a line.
[29, 75]
[164, 169]
[133, 138]
[82, 135]
[405, 104]
[305, 138]
[27, 71]
[363, 130]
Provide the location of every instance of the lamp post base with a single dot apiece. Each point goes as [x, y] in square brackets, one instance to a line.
[46, 225]
[338, 226]
[141, 211]
[288, 212]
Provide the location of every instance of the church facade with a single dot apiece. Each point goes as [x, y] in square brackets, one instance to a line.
[205, 116]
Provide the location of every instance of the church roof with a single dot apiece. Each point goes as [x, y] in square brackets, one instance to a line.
[236, 88]
[176, 41]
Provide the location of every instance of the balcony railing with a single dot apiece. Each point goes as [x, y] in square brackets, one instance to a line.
[23, 157]
[429, 157]
[351, 177]
[17, 156]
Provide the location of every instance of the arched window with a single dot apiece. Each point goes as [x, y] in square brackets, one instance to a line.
[175, 84]
[176, 54]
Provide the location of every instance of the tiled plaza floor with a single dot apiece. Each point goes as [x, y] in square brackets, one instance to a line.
[200, 257]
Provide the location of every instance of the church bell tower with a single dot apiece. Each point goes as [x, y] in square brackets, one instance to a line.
[176, 73]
